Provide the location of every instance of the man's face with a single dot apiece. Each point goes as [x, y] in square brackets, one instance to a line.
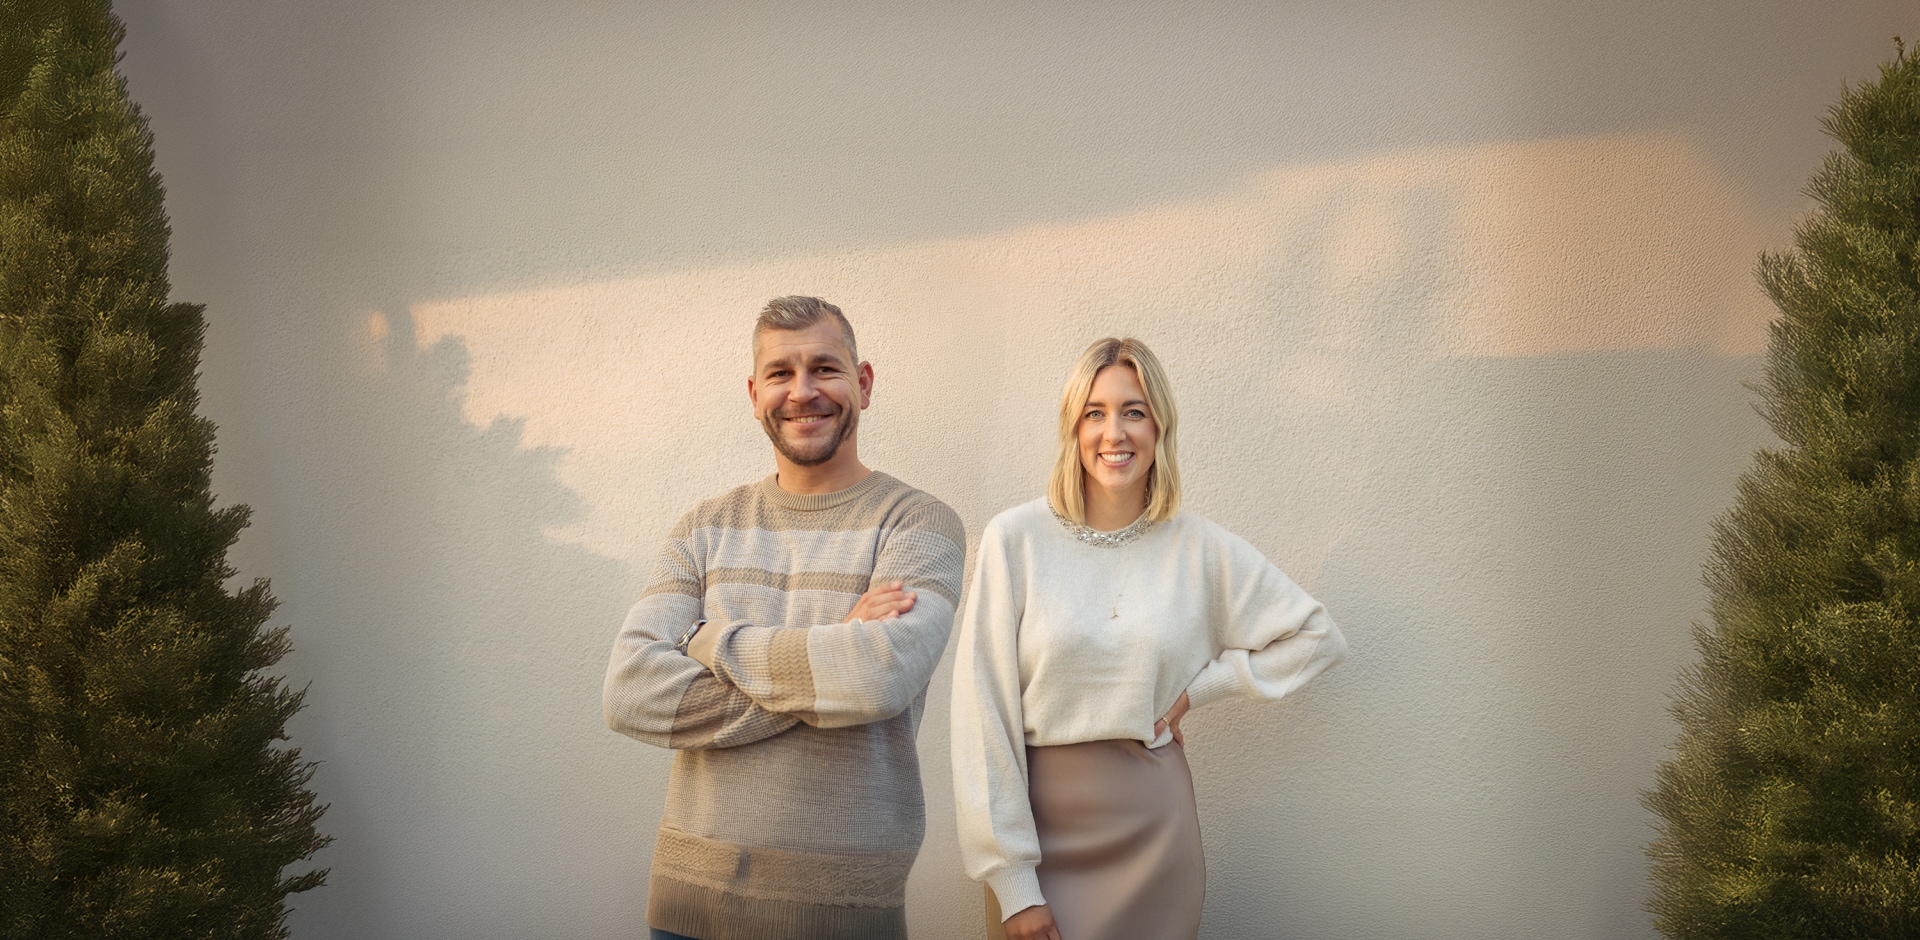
[808, 392]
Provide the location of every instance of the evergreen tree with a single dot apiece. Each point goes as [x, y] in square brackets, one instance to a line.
[142, 794]
[1791, 807]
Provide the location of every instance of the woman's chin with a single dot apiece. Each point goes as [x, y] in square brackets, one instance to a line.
[1114, 483]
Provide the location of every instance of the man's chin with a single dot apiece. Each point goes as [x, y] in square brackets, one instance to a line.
[807, 457]
[810, 453]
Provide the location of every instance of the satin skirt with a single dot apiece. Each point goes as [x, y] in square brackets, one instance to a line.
[1120, 851]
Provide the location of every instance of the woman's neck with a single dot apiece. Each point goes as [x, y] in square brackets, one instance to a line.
[1108, 510]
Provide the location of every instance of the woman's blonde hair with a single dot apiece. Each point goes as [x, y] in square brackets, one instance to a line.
[1066, 490]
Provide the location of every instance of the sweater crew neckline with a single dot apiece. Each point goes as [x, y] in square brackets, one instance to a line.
[813, 502]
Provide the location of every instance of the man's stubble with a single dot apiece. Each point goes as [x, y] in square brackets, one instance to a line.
[845, 421]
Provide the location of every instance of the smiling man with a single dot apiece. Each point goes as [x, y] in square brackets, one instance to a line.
[782, 648]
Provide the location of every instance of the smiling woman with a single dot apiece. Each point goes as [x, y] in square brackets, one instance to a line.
[1098, 618]
[1122, 413]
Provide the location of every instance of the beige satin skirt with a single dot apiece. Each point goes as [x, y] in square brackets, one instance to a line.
[1119, 842]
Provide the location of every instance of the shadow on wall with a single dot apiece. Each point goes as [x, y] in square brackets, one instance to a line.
[1481, 401]
[1324, 284]
[455, 654]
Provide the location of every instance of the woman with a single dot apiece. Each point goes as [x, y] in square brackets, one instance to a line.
[1099, 616]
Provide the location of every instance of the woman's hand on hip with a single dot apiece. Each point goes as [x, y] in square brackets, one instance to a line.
[1034, 923]
[1172, 720]
[882, 602]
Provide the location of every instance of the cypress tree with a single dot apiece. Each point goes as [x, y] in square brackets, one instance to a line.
[142, 791]
[1791, 806]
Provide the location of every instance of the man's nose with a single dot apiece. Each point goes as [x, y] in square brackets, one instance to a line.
[802, 389]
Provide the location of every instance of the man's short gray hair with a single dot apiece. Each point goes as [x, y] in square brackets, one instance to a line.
[798, 313]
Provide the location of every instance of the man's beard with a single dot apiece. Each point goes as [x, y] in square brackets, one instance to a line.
[817, 453]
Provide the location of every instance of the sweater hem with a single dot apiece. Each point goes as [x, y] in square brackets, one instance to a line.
[710, 913]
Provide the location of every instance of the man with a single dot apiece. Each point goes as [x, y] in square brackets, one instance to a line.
[783, 648]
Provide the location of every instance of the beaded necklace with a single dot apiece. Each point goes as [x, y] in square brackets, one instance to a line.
[1099, 539]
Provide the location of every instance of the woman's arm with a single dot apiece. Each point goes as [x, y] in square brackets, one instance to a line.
[1274, 638]
[998, 842]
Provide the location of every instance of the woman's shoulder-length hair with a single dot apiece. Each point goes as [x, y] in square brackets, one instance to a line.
[1066, 489]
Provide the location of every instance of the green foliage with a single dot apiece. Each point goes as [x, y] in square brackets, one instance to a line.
[1791, 807]
[142, 794]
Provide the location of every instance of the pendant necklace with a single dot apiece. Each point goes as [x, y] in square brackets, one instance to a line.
[1126, 571]
[1116, 539]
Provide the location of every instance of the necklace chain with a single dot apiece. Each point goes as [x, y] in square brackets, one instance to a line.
[1099, 539]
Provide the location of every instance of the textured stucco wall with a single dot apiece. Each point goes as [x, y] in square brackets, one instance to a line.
[1456, 297]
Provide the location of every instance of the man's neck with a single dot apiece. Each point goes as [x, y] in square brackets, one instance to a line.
[1107, 510]
[844, 470]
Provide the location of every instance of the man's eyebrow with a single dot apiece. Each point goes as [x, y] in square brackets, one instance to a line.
[833, 359]
[814, 359]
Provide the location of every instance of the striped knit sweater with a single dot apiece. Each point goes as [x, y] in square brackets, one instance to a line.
[794, 807]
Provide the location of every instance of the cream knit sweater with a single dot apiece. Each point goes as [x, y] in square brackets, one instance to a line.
[1063, 642]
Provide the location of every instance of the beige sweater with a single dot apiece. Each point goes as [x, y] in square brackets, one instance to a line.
[1063, 642]
[794, 807]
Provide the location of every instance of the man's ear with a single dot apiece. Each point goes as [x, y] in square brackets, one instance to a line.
[752, 399]
[866, 385]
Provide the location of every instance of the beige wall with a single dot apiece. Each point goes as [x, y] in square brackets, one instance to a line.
[1457, 301]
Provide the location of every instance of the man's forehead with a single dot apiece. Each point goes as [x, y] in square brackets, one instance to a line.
[822, 341]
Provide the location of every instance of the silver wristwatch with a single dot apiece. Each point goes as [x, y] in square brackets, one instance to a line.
[687, 637]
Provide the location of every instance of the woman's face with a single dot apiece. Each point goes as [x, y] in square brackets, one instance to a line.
[1117, 433]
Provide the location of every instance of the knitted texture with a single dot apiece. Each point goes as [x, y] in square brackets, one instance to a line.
[1064, 642]
[794, 806]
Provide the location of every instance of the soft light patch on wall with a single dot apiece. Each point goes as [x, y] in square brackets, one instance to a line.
[1321, 283]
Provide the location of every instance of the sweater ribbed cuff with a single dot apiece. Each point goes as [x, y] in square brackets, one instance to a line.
[1211, 685]
[1016, 888]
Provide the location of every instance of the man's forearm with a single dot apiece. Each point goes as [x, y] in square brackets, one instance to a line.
[840, 674]
[656, 694]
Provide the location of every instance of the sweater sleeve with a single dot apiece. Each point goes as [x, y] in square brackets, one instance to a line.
[998, 842]
[836, 675]
[1273, 637]
[657, 694]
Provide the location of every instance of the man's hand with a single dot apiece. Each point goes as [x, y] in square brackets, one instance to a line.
[705, 642]
[882, 602]
[1034, 923]
[1172, 720]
